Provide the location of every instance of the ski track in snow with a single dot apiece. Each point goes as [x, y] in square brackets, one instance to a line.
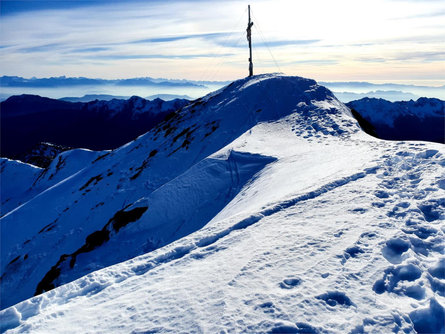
[363, 252]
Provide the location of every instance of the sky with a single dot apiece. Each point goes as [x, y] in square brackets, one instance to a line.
[400, 41]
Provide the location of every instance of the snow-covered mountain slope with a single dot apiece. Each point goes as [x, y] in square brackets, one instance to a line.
[28, 120]
[16, 178]
[42, 154]
[260, 208]
[423, 119]
[21, 182]
[82, 206]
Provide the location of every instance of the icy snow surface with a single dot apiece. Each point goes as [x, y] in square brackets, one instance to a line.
[260, 208]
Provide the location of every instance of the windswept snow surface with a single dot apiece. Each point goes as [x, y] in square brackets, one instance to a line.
[260, 208]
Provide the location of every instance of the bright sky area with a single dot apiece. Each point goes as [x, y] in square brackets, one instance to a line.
[398, 41]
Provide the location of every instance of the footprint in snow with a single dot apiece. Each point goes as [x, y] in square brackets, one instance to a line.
[427, 154]
[394, 275]
[334, 298]
[438, 270]
[437, 276]
[433, 209]
[299, 327]
[430, 319]
[353, 251]
[267, 307]
[381, 194]
[290, 283]
[359, 210]
[419, 229]
[394, 249]
[424, 247]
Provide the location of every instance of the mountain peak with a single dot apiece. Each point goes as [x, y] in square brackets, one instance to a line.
[178, 152]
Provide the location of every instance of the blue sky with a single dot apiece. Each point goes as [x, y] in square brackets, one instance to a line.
[344, 40]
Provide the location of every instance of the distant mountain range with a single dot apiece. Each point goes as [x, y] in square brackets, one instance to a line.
[15, 81]
[92, 97]
[169, 97]
[352, 90]
[368, 85]
[106, 97]
[390, 95]
[121, 88]
[28, 120]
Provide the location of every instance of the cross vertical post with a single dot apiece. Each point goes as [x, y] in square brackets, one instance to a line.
[249, 38]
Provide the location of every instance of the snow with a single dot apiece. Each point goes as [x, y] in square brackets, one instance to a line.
[138, 105]
[22, 182]
[16, 177]
[385, 112]
[260, 208]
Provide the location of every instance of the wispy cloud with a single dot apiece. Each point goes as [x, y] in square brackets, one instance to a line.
[178, 38]
[40, 48]
[420, 56]
[437, 13]
[90, 50]
[209, 36]
[371, 59]
[158, 56]
[317, 61]
[273, 44]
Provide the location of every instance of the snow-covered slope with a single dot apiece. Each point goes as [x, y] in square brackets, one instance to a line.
[259, 208]
[42, 154]
[16, 178]
[423, 119]
[22, 182]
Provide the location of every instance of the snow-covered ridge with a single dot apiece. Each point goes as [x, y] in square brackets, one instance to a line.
[42, 154]
[135, 104]
[28, 120]
[259, 208]
[383, 111]
[423, 119]
[19, 185]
